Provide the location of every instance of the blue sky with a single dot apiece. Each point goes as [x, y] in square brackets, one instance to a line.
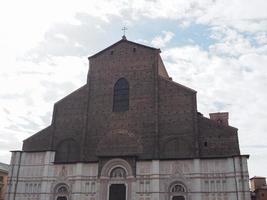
[218, 48]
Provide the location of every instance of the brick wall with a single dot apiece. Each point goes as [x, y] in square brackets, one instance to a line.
[162, 120]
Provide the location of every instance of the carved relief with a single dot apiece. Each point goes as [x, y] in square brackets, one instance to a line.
[63, 172]
[118, 172]
[180, 168]
[177, 168]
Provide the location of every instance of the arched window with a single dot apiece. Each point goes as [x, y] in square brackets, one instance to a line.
[118, 172]
[121, 96]
[67, 151]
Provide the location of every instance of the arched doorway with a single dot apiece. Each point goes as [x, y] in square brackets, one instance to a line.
[117, 190]
[178, 192]
[62, 192]
[116, 175]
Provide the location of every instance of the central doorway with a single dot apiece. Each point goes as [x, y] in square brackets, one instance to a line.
[62, 198]
[117, 192]
[178, 198]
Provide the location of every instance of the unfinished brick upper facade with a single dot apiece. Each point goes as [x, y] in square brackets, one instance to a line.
[162, 121]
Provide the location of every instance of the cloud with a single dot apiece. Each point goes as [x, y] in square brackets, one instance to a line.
[28, 93]
[229, 42]
[44, 57]
[261, 38]
[230, 75]
[243, 15]
[161, 41]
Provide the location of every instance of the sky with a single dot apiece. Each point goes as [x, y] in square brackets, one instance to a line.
[218, 48]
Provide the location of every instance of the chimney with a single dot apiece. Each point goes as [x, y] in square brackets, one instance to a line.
[220, 117]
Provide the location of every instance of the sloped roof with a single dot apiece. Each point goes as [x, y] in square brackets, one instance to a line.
[257, 177]
[119, 42]
[4, 167]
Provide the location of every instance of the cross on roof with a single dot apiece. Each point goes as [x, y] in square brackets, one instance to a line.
[124, 30]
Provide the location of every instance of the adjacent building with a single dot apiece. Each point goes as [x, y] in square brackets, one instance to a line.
[258, 188]
[130, 133]
[3, 179]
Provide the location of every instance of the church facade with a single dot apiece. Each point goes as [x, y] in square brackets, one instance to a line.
[130, 133]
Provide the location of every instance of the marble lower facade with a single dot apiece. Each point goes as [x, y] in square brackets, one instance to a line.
[34, 176]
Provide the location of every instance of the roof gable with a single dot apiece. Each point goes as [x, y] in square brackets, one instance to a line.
[123, 40]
